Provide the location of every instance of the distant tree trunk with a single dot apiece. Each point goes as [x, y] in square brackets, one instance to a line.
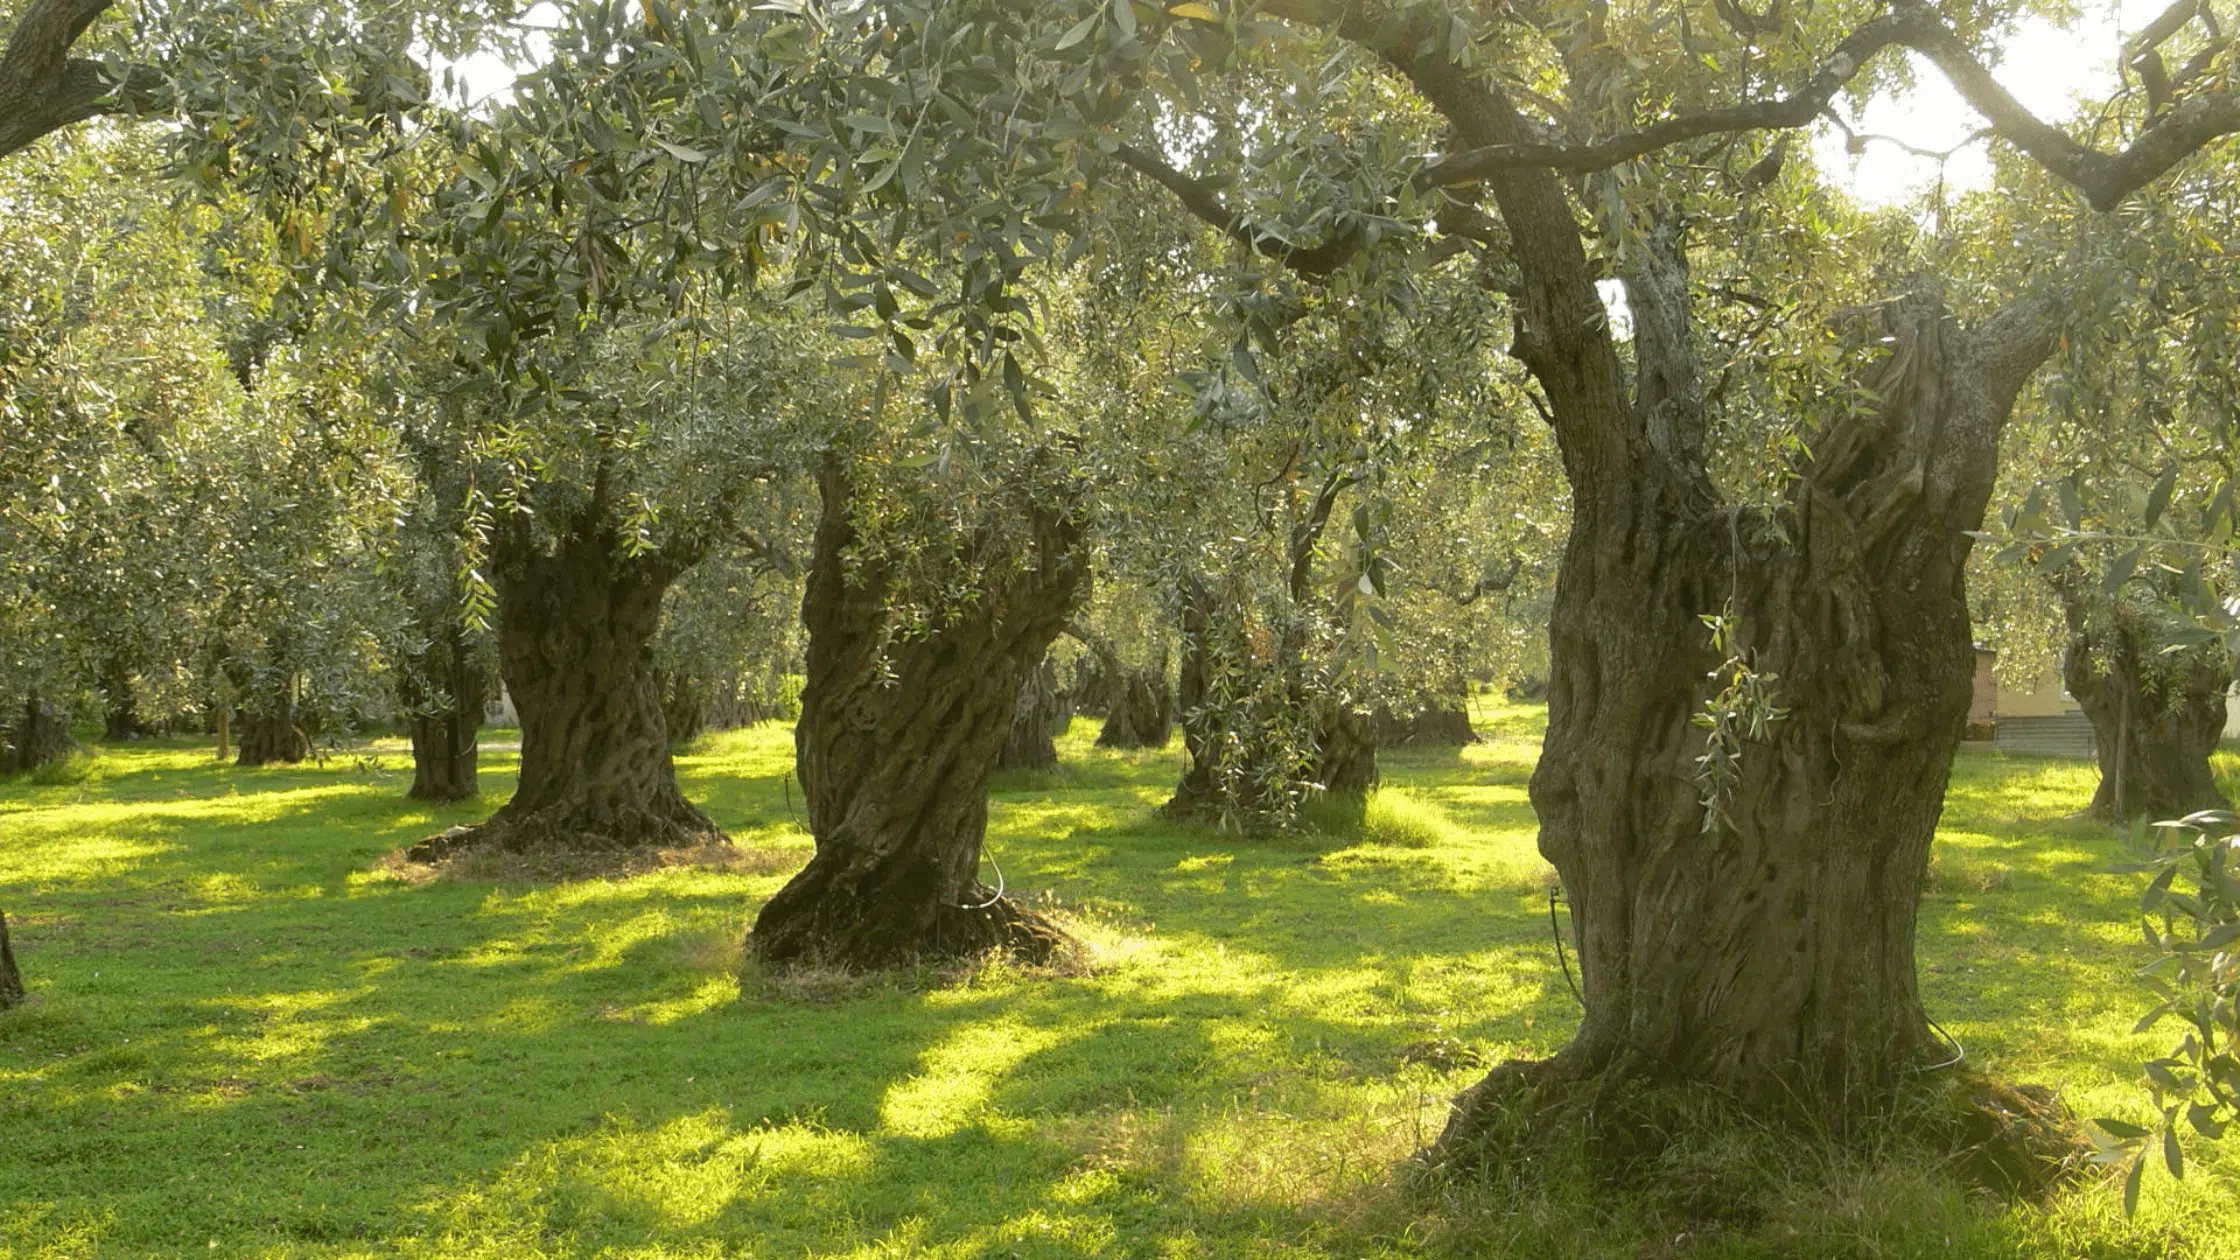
[1035, 722]
[271, 731]
[1262, 730]
[684, 706]
[575, 648]
[1140, 713]
[1430, 721]
[39, 735]
[443, 689]
[120, 714]
[895, 743]
[1136, 703]
[2156, 716]
[11, 979]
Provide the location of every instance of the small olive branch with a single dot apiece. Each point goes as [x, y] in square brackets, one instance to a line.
[2194, 931]
[1743, 710]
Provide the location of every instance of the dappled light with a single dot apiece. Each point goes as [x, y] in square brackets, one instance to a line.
[248, 1033]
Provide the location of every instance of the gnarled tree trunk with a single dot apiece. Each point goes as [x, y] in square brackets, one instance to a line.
[1744, 898]
[575, 649]
[2156, 716]
[896, 739]
[443, 688]
[39, 735]
[1036, 719]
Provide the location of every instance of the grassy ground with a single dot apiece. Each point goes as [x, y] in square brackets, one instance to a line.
[250, 1034]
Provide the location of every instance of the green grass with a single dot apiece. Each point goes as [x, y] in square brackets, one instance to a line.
[250, 1034]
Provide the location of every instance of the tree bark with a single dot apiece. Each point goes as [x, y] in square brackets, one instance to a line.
[2156, 716]
[575, 649]
[684, 706]
[896, 740]
[40, 735]
[443, 688]
[11, 979]
[1756, 933]
[1035, 723]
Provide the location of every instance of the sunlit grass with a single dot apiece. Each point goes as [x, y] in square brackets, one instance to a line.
[250, 1034]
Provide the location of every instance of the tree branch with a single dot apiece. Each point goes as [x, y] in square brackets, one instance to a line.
[2105, 179]
[1319, 260]
[44, 89]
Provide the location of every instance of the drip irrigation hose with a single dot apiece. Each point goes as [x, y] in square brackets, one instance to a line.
[1555, 932]
[999, 883]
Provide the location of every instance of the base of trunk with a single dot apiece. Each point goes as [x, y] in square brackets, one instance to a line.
[578, 827]
[1663, 1143]
[11, 980]
[814, 920]
[1431, 725]
[268, 739]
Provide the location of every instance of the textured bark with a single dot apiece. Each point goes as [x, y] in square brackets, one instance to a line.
[2155, 716]
[443, 689]
[1768, 951]
[1140, 710]
[11, 979]
[1037, 717]
[44, 89]
[575, 650]
[896, 740]
[1278, 738]
[39, 735]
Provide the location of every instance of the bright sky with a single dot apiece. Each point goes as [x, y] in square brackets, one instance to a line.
[2046, 67]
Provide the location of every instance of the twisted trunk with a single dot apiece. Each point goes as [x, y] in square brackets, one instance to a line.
[39, 735]
[2156, 716]
[575, 650]
[895, 743]
[1432, 720]
[1744, 897]
[443, 688]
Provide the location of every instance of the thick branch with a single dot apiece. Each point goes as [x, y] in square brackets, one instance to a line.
[1794, 110]
[1203, 202]
[44, 89]
[2104, 178]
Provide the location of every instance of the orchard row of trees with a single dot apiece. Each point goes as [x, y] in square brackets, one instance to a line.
[1318, 337]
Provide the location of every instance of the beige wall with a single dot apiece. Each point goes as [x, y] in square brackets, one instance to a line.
[2042, 698]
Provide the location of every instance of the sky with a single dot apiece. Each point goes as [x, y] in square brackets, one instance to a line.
[2047, 67]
